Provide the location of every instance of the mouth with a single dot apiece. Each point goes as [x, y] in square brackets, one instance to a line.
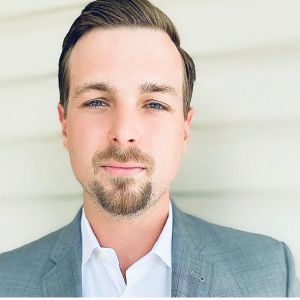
[121, 171]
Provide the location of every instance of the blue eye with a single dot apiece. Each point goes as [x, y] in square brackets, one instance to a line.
[157, 106]
[95, 103]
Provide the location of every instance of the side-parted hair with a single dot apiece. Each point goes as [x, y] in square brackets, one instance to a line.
[108, 14]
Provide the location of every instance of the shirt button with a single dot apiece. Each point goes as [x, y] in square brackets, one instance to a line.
[103, 256]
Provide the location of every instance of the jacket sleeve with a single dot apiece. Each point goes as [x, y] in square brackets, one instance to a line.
[292, 285]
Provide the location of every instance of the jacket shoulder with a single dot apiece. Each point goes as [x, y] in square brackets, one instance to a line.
[248, 261]
[22, 269]
[221, 241]
[198, 229]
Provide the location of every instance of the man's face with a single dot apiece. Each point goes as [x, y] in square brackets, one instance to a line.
[125, 129]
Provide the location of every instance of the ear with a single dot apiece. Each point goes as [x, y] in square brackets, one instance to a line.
[187, 124]
[63, 123]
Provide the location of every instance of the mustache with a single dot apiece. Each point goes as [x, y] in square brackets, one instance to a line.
[128, 155]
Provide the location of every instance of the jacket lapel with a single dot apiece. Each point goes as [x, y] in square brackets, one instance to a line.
[64, 279]
[192, 272]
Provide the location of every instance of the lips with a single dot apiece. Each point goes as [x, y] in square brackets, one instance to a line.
[123, 165]
[123, 169]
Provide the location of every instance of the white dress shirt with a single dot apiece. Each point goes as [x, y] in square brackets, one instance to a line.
[150, 276]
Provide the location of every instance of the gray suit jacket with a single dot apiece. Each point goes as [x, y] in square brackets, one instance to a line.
[207, 261]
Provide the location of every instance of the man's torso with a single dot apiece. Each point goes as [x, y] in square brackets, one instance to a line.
[207, 261]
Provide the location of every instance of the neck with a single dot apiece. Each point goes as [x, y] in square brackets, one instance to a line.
[131, 238]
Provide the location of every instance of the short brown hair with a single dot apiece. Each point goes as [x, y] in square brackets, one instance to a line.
[122, 13]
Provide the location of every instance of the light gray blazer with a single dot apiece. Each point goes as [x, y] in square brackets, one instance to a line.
[207, 261]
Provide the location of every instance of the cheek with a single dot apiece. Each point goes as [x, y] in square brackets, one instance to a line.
[85, 134]
[85, 137]
[169, 150]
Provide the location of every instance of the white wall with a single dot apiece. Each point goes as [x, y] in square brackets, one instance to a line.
[242, 167]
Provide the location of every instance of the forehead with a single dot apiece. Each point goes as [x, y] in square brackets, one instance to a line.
[126, 58]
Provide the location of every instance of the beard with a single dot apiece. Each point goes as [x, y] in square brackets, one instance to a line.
[122, 199]
[125, 198]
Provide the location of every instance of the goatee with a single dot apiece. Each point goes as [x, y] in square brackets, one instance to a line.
[124, 198]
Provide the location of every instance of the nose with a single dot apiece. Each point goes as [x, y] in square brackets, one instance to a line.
[123, 131]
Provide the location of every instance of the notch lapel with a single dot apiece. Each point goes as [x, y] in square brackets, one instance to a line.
[65, 279]
[193, 273]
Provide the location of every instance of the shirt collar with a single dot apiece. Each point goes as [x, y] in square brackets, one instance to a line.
[89, 241]
[162, 247]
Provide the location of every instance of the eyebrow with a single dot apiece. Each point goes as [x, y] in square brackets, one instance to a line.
[98, 86]
[157, 88]
[145, 88]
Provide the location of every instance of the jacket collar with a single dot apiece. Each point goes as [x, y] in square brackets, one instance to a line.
[192, 271]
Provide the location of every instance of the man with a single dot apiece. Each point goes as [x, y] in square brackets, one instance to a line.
[125, 90]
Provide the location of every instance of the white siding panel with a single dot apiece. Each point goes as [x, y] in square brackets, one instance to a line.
[19, 8]
[36, 168]
[32, 46]
[241, 159]
[215, 26]
[248, 87]
[29, 108]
